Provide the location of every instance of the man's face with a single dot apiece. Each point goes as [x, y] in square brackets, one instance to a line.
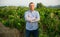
[31, 7]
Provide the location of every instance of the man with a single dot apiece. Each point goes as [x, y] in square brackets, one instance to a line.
[32, 17]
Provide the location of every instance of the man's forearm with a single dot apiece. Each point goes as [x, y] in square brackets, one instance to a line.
[36, 20]
[30, 19]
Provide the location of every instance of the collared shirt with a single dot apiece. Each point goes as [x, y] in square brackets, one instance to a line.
[31, 15]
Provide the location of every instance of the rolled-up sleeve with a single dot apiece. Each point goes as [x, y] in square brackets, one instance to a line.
[37, 17]
[26, 16]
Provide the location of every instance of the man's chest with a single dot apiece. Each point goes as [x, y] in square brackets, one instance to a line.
[32, 15]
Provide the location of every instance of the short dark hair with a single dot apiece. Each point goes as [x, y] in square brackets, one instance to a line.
[31, 3]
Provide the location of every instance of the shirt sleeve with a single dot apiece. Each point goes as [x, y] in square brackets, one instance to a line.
[37, 17]
[26, 16]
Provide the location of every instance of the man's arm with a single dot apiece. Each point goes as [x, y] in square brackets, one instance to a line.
[28, 18]
[37, 18]
[34, 19]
